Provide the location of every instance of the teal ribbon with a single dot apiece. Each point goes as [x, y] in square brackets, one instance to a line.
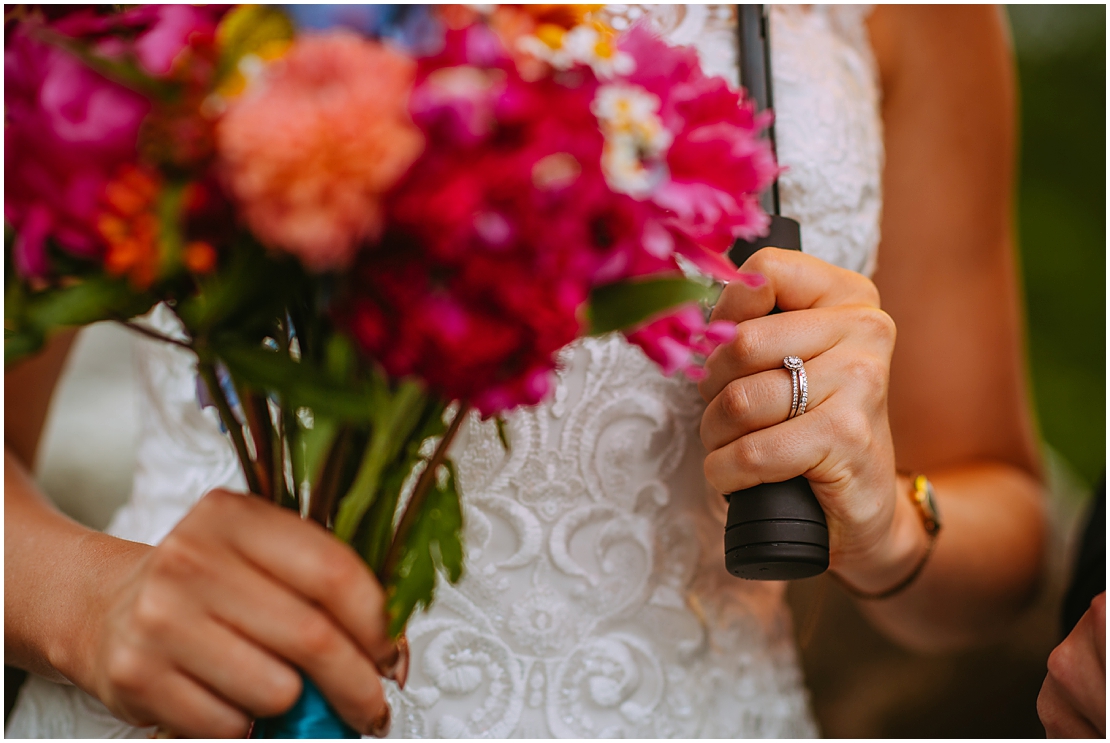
[310, 717]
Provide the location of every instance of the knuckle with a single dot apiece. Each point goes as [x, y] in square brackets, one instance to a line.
[152, 613]
[735, 404]
[765, 259]
[879, 324]
[125, 670]
[318, 637]
[214, 500]
[744, 453]
[283, 690]
[869, 374]
[854, 427]
[339, 571]
[1098, 610]
[870, 292]
[746, 344]
[1060, 663]
[223, 504]
[177, 558]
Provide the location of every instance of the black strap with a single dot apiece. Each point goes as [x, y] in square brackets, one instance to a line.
[753, 38]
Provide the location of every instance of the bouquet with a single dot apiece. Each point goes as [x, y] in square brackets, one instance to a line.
[371, 221]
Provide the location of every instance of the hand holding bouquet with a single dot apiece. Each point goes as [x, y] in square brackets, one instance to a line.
[369, 222]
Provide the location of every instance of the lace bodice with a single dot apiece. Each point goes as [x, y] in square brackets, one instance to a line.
[594, 600]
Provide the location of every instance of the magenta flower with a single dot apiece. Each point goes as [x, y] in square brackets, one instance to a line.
[681, 340]
[68, 129]
[158, 33]
[499, 231]
[716, 161]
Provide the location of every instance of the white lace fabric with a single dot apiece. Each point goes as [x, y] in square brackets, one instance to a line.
[594, 601]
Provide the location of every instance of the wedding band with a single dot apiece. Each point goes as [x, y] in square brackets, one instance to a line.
[799, 384]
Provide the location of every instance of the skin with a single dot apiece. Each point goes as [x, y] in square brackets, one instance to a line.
[919, 371]
[202, 633]
[149, 630]
[1072, 703]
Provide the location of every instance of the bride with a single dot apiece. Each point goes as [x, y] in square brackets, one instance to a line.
[595, 600]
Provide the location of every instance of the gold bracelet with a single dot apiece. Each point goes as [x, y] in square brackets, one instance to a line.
[924, 499]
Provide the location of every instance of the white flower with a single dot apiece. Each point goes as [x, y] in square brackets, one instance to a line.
[586, 45]
[636, 141]
[583, 44]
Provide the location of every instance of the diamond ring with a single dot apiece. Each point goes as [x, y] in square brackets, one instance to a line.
[800, 385]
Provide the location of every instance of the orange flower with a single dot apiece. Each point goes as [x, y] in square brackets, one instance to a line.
[129, 226]
[200, 257]
[309, 150]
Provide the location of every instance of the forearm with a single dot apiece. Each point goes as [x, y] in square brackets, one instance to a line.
[983, 570]
[55, 574]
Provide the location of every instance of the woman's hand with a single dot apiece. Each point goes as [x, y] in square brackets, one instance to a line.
[842, 443]
[1072, 702]
[207, 629]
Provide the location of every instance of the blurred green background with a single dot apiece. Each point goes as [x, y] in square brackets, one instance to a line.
[862, 685]
[1061, 55]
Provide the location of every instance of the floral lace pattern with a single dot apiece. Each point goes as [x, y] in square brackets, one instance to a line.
[594, 600]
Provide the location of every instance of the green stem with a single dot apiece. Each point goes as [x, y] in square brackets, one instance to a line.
[207, 369]
[325, 492]
[280, 486]
[141, 330]
[420, 493]
[257, 412]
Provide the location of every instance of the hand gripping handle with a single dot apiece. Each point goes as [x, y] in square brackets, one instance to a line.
[775, 531]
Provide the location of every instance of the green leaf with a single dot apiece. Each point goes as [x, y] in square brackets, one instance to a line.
[308, 447]
[96, 299]
[20, 345]
[434, 542]
[375, 533]
[394, 423]
[625, 304]
[300, 384]
[31, 317]
[341, 358]
[245, 296]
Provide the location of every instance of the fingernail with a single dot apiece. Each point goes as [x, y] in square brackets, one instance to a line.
[754, 280]
[380, 727]
[398, 670]
[401, 673]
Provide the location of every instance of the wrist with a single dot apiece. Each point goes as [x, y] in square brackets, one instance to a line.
[107, 564]
[896, 554]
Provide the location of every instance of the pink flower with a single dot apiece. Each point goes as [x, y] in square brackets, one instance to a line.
[498, 232]
[717, 161]
[676, 341]
[155, 34]
[310, 153]
[68, 130]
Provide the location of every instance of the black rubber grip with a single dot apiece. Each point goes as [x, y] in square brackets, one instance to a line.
[775, 531]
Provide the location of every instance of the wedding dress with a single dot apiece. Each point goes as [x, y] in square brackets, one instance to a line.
[594, 600]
